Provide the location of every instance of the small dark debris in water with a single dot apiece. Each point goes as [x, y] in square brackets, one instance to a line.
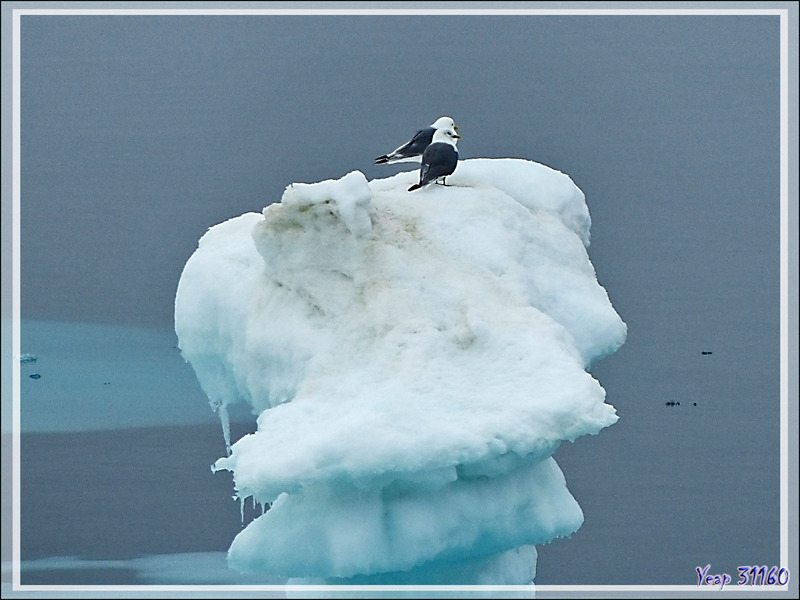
[672, 403]
[35, 376]
[705, 352]
[106, 383]
[695, 404]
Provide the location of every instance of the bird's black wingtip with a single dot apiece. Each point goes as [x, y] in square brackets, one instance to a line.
[416, 186]
[381, 160]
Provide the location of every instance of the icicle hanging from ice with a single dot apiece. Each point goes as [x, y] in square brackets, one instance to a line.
[225, 421]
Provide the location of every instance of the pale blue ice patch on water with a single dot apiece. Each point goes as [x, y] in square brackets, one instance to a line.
[88, 376]
[181, 569]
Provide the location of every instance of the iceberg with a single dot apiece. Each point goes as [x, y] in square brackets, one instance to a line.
[413, 361]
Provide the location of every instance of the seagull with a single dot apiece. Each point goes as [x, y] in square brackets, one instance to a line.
[412, 150]
[439, 159]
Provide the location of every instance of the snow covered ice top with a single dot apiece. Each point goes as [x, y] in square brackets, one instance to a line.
[414, 361]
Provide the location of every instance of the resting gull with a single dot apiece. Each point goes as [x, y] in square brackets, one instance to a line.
[412, 150]
[439, 159]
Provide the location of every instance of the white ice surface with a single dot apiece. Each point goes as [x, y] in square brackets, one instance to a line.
[415, 360]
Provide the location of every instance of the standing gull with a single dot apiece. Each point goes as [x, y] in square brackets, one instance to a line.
[412, 150]
[439, 159]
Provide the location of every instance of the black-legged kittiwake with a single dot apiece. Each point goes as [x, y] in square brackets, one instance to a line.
[439, 159]
[412, 150]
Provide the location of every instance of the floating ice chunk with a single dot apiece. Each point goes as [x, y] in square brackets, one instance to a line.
[414, 359]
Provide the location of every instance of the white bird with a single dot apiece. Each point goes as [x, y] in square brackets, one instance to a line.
[412, 150]
[439, 159]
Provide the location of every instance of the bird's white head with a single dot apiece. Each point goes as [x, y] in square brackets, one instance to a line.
[444, 123]
[447, 135]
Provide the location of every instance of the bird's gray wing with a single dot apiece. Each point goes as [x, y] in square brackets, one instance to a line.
[418, 143]
[412, 148]
[438, 160]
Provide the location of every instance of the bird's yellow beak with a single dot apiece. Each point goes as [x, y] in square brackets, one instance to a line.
[458, 137]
